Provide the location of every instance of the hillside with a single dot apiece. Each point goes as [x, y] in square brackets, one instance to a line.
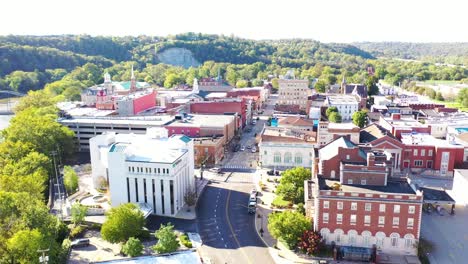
[30, 62]
[450, 53]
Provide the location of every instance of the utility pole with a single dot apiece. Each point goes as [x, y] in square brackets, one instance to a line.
[43, 259]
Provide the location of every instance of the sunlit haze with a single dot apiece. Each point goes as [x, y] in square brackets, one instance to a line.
[323, 20]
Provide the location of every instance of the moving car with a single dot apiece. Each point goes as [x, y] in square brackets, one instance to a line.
[252, 207]
[82, 242]
[271, 172]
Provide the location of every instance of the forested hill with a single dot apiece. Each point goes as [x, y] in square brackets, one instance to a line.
[450, 53]
[71, 62]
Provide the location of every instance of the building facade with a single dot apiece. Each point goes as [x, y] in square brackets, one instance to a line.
[327, 132]
[347, 105]
[282, 149]
[151, 169]
[209, 151]
[293, 92]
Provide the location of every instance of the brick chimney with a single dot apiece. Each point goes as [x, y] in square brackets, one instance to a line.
[370, 159]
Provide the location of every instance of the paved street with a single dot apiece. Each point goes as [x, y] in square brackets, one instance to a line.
[227, 230]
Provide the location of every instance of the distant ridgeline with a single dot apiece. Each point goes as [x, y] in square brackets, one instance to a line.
[30, 62]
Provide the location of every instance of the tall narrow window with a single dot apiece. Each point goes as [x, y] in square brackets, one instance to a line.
[154, 197]
[162, 198]
[144, 190]
[136, 189]
[128, 190]
[171, 191]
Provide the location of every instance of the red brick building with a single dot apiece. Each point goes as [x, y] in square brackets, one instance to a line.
[222, 107]
[398, 124]
[208, 150]
[387, 216]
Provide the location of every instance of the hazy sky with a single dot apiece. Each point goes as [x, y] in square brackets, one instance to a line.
[323, 20]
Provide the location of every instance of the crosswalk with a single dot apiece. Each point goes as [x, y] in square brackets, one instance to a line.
[238, 168]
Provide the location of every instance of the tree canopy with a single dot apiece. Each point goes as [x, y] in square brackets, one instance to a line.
[288, 226]
[123, 222]
[291, 186]
[167, 239]
[335, 117]
[360, 118]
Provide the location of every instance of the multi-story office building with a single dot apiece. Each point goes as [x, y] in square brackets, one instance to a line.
[151, 169]
[347, 105]
[293, 92]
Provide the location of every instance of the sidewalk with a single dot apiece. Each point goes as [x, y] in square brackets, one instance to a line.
[189, 212]
[280, 254]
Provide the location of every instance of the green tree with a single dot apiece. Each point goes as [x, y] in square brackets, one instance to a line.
[371, 84]
[242, 83]
[320, 86]
[70, 179]
[331, 110]
[133, 247]
[462, 97]
[38, 127]
[288, 226]
[172, 79]
[335, 117]
[274, 83]
[439, 96]
[123, 222]
[24, 245]
[167, 239]
[360, 118]
[291, 186]
[35, 99]
[78, 213]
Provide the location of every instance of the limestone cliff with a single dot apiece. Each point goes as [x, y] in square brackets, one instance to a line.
[177, 56]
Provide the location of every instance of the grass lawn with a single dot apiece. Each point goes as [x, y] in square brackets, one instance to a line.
[453, 104]
[436, 82]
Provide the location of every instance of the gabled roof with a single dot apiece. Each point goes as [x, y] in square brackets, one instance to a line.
[331, 149]
[359, 89]
[373, 132]
[295, 121]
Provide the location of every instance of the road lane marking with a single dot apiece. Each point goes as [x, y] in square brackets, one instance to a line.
[231, 229]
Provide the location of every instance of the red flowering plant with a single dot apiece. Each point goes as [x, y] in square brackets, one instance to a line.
[310, 242]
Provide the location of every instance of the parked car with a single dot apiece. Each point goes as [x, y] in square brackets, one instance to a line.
[253, 197]
[271, 172]
[242, 148]
[249, 147]
[277, 173]
[254, 122]
[82, 242]
[252, 207]
[254, 149]
[253, 192]
[215, 170]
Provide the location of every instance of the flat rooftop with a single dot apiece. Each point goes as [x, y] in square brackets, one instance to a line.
[144, 149]
[204, 121]
[390, 188]
[126, 121]
[433, 195]
[286, 135]
[342, 99]
[404, 122]
[342, 126]
[424, 139]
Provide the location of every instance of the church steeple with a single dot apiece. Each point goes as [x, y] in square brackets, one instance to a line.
[133, 87]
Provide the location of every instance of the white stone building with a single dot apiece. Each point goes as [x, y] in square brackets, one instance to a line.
[282, 148]
[347, 105]
[151, 169]
[327, 132]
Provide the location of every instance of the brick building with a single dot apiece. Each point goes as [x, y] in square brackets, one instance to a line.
[231, 106]
[387, 216]
[208, 150]
[398, 124]
[344, 160]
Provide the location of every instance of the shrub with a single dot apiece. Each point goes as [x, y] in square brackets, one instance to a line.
[279, 202]
[184, 240]
[132, 247]
[300, 208]
[77, 231]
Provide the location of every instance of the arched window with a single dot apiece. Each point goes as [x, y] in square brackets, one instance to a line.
[380, 236]
[277, 157]
[298, 158]
[325, 232]
[339, 236]
[409, 238]
[366, 237]
[394, 237]
[352, 234]
[287, 157]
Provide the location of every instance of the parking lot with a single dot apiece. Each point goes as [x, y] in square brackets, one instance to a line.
[448, 234]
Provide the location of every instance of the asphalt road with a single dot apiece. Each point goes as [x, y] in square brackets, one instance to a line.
[227, 230]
